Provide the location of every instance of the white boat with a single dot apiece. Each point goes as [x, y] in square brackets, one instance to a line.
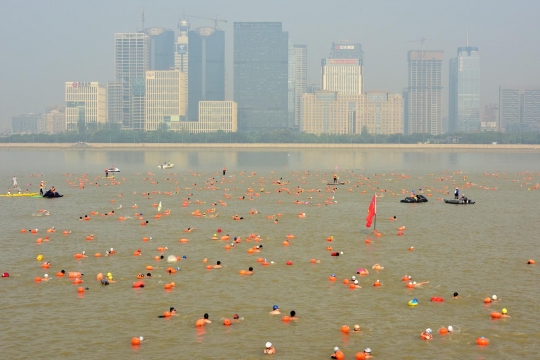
[113, 170]
[166, 166]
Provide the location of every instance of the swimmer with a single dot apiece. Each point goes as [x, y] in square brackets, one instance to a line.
[356, 284]
[450, 329]
[367, 353]
[356, 328]
[505, 313]
[205, 318]
[218, 265]
[456, 295]
[46, 213]
[275, 310]
[420, 283]
[494, 298]
[293, 315]
[149, 275]
[377, 267]
[269, 349]
[104, 282]
[335, 353]
[5, 275]
[362, 271]
[250, 271]
[426, 335]
[353, 278]
[236, 318]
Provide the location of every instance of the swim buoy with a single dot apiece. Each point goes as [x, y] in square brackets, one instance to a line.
[166, 314]
[437, 299]
[80, 289]
[413, 302]
[138, 284]
[60, 274]
[184, 240]
[346, 281]
[167, 286]
[377, 283]
[227, 322]
[345, 329]
[332, 278]
[426, 336]
[200, 323]
[496, 315]
[242, 272]
[443, 331]
[285, 319]
[487, 300]
[74, 275]
[135, 341]
[482, 341]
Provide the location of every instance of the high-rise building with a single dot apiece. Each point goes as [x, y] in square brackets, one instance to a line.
[164, 99]
[489, 118]
[348, 50]
[519, 109]
[85, 106]
[425, 92]
[181, 55]
[213, 116]
[206, 66]
[25, 124]
[132, 60]
[54, 120]
[342, 75]
[297, 83]
[162, 52]
[328, 112]
[464, 91]
[261, 75]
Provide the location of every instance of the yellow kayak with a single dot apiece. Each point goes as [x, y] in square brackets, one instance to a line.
[23, 194]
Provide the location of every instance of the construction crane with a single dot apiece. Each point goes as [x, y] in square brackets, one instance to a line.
[216, 20]
[421, 41]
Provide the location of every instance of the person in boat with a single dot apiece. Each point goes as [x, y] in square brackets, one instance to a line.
[413, 195]
[53, 190]
[463, 198]
[41, 188]
[456, 194]
[169, 163]
[335, 178]
[106, 172]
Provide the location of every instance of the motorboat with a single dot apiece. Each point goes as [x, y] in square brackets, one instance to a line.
[166, 166]
[459, 202]
[417, 199]
[113, 170]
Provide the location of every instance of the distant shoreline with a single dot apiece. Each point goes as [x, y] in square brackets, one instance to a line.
[275, 146]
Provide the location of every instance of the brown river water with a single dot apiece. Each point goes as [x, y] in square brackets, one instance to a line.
[477, 250]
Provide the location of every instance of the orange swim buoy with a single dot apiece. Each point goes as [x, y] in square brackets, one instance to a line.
[377, 283]
[60, 274]
[443, 331]
[345, 329]
[184, 240]
[227, 322]
[37, 279]
[360, 356]
[149, 267]
[487, 300]
[209, 267]
[285, 319]
[286, 243]
[496, 315]
[345, 281]
[135, 341]
[352, 286]
[80, 289]
[482, 341]
[168, 286]
[200, 323]
[242, 272]
[332, 278]
[166, 314]
[97, 255]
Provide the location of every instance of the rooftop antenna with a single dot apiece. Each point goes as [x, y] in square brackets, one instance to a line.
[467, 36]
[142, 19]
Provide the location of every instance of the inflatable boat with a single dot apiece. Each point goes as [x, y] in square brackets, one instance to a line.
[459, 202]
[21, 195]
[419, 199]
[113, 170]
[49, 195]
[336, 183]
[166, 166]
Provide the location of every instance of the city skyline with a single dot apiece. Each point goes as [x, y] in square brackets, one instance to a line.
[89, 59]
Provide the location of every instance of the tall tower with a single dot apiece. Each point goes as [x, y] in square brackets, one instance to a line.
[297, 83]
[342, 75]
[181, 55]
[424, 92]
[348, 50]
[206, 67]
[132, 60]
[464, 91]
[161, 48]
[261, 75]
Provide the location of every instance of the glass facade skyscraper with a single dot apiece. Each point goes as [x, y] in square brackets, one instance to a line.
[519, 109]
[132, 60]
[206, 67]
[424, 94]
[161, 48]
[261, 75]
[297, 83]
[464, 91]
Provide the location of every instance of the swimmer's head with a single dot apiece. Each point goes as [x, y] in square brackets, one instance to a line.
[205, 315]
[355, 282]
[356, 328]
[494, 298]
[293, 313]
[219, 262]
[336, 349]
[250, 268]
[450, 328]
[275, 307]
[236, 316]
[109, 274]
[47, 275]
[429, 331]
[353, 278]
[504, 311]
[456, 294]
[367, 351]
[333, 275]
[268, 345]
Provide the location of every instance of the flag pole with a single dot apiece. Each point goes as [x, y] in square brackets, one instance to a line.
[375, 223]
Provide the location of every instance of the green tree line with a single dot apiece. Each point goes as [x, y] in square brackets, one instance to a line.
[281, 136]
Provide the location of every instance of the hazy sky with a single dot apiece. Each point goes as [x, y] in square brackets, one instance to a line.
[45, 43]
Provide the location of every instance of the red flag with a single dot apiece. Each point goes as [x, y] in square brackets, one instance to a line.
[372, 210]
